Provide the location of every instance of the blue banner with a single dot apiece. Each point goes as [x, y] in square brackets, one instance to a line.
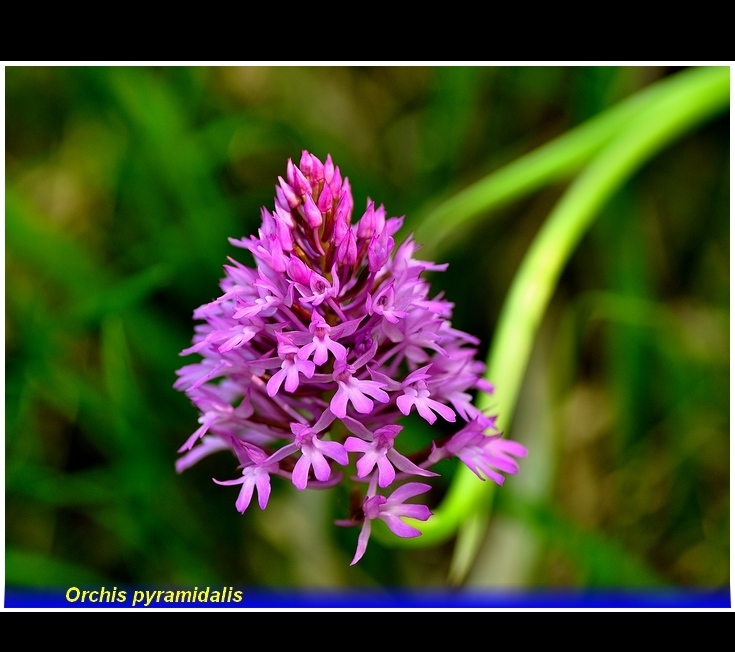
[234, 597]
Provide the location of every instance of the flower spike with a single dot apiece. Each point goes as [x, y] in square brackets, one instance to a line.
[311, 358]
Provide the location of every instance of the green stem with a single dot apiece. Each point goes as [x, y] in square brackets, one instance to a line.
[703, 94]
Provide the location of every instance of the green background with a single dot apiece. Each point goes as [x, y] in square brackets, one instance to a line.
[122, 186]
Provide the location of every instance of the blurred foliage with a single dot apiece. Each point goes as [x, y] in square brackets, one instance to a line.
[122, 187]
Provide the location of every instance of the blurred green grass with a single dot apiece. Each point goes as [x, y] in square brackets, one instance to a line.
[122, 186]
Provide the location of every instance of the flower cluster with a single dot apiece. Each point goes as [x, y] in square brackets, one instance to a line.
[310, 359]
